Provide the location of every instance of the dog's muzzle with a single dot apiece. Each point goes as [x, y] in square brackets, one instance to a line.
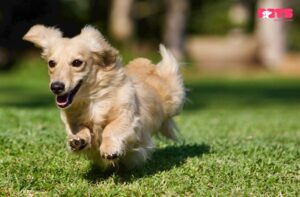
[66, 99]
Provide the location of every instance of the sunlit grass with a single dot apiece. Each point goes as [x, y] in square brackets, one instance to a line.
[242, 137]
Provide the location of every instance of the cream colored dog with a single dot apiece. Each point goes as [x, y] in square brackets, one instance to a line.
[110, 112]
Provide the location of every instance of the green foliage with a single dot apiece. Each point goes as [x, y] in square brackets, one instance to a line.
[241, 139]
[210, 17]
[78, 8]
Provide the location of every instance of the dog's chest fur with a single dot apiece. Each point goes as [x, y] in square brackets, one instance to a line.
[93, 115]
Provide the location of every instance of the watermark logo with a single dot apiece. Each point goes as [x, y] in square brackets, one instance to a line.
[276, 14]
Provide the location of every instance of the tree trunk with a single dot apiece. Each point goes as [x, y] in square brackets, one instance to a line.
[121, 25]
[175, 23]
[271, 36]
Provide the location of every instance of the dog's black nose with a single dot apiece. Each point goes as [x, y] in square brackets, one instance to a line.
[57, 87]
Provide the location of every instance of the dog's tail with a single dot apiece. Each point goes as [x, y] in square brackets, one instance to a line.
[168, 70]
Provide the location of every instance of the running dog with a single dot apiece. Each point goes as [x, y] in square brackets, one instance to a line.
[110, 111]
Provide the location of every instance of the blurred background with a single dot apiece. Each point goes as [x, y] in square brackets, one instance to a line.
[223, 39]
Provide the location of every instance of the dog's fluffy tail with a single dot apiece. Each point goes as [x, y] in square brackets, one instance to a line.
[168, 70]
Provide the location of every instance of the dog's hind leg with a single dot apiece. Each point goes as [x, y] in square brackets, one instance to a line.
[139, 154]
[169, 129]
[136, 157]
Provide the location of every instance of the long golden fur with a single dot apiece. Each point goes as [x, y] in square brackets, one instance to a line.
[110, 111]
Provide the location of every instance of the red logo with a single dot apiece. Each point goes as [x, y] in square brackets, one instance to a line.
[275, 13]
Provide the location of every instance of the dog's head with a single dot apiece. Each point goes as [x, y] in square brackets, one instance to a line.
[73, 62]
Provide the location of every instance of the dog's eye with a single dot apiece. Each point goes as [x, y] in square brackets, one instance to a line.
[51, 63]
[77, 63]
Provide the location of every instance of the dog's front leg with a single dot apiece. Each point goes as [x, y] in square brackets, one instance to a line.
[117, 135]
[80, 139]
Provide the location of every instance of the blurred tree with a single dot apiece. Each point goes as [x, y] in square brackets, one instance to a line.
[121, 24]
[145, 17]
[271, 37]
[175, 24]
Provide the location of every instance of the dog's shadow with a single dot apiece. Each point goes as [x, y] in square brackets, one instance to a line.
[162, 159]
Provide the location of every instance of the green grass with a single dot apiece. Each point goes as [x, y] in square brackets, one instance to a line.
[242, 138]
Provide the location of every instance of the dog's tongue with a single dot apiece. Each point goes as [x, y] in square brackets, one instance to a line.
[62, 100]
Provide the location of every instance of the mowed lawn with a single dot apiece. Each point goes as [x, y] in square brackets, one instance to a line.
[241, 138]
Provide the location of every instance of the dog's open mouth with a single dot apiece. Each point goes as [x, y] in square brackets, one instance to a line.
[65, 100]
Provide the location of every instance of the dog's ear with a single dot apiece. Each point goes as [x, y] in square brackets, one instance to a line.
[98, 45]
[42, 36]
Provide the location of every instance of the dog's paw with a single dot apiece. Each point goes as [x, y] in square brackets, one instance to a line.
[110, 150]
[77, 144]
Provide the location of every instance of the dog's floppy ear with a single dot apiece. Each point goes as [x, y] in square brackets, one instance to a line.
[42, 36]
[98, 45]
